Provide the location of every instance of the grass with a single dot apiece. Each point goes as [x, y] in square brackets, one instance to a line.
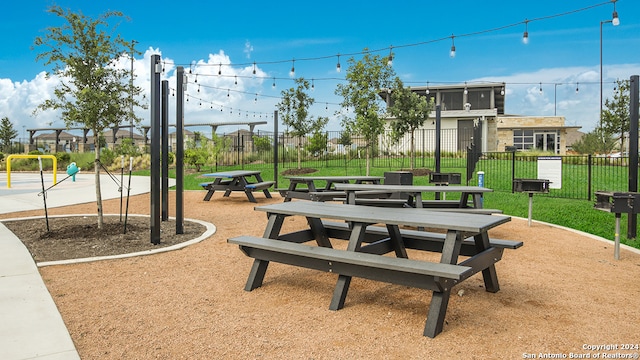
[571, 213]
[575, 214]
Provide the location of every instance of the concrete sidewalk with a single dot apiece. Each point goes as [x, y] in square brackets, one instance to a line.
[30, 325]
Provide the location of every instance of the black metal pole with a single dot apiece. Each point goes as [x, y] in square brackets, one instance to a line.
[633, 152]
[121, 182]
[275, 148]
[44, 194]
[437, 151]
[165, 150]
[126, 214]
[180, 80]
[156, 68]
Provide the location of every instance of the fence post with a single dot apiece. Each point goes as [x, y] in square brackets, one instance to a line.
[589, 177]
[513, 170]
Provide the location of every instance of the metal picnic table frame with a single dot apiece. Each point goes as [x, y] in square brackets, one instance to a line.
[294, 192]
[362, 255]
[236, 180]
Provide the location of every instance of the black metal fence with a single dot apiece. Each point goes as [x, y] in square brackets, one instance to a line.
[581, 175]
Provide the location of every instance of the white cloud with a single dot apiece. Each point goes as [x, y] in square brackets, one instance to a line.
[559, 94]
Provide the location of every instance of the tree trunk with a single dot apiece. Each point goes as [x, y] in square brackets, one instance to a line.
[96, 146]
[413, 152]
[368, 159]
[299, 153]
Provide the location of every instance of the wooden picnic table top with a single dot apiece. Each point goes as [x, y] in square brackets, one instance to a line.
[412, 188]
[232, 173]
[471, 223]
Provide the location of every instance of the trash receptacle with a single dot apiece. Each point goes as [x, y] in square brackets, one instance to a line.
[398, 178]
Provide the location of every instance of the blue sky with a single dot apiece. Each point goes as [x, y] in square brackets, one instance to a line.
[563, 52]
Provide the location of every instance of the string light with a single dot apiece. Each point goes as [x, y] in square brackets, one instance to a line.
[577, 88]
[236, 80]
[615, 21]
[525, 36]
[338, 65]
[427, 88]
[466, 91]
[292, 73]
[254, 68]
[502, 90]
[313, 86]
[220, 69]
[540, 88]
[390, 59]
[274, 83]
[452, 53]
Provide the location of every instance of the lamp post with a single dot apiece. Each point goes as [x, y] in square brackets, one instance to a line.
[615, 21]
[555, 90]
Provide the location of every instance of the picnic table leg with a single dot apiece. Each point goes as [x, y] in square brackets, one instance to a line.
[396, 240]
[259, 267]
[440, 299]
[211, 189]
[267, 194]
[489, 274]
[319, 232]
[250, 196]
[209, 194]
[342, 287]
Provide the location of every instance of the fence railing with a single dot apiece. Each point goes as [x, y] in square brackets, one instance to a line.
[582, 175]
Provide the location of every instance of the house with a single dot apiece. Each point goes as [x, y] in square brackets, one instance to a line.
[478, 108]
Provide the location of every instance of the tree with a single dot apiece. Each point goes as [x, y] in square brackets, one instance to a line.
[318, 143]
[294, 108]
[93, 92]
[615, 118]
[7, 133]
[593, 142]
[410, 111]
[365, 79]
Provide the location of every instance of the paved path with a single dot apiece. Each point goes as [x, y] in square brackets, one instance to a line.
[30, 325]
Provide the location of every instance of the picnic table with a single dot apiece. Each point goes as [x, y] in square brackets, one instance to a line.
[467, 194]
[302, 187]
[464, 235]
[237, 180]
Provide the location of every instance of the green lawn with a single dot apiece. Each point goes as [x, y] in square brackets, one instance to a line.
[575, 214]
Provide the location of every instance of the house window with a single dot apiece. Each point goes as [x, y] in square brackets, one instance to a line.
[523, 139]
[479, 99]
[451, 100]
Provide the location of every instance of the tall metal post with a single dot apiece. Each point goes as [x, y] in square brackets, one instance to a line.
[275, 148]
[633, 151]
[156, 68]
[180, 80]
[165, 150]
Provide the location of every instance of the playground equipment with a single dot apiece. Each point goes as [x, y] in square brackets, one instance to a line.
[72, 170]
[23, 156]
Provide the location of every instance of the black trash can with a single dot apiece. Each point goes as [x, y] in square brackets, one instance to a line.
[398, 178]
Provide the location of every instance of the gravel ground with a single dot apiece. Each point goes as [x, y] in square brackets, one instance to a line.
[560, 293]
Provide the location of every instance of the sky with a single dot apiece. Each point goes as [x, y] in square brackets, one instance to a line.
[562, 55]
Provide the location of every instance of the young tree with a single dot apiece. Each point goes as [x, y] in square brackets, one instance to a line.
[294, 108]
[616, 116]
[594, 142]
[365, 79]
[93, 92]
[410, 111]
[7, 133]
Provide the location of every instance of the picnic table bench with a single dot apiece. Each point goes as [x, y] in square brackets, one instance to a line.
[470, 196]
[236, 180]
[463, 234]
[300, 187]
